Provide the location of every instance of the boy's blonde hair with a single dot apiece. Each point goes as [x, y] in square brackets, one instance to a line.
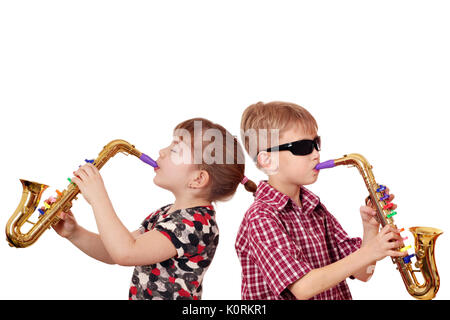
[260, 119]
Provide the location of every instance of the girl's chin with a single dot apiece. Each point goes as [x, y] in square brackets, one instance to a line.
[161, 184]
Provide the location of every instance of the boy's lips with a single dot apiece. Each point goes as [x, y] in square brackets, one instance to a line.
[314, 168]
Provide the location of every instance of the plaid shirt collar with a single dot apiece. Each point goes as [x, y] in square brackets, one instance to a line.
[276, 199]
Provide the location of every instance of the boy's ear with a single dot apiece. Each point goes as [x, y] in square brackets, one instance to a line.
[268, 162]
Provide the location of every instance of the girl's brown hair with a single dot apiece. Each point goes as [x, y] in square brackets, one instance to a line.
[224, 175]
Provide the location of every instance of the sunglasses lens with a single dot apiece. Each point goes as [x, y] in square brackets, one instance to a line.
[305, 147]
[302, 148]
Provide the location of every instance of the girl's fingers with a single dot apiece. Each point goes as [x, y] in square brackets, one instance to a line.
[77, 181]
[88, 169]
[93, 168]
[85, 171]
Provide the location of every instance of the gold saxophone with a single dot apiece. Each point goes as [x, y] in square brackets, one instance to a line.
[32, 192]
[424, 237]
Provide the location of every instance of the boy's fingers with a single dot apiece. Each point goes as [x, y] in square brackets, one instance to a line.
[394, 253]
[367, 210]
[62, 215]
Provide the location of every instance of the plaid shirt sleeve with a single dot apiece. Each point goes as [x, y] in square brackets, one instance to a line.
[345, 244]
[275, 254]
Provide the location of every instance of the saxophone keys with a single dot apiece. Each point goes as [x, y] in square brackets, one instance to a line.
[420, 254]
[51, 200]
[418, 264]
[405, 248]
[407, 259]
[388, 206]
[393, 213]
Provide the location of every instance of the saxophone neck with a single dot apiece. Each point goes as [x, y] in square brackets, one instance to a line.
[116, 146]
[352, 159]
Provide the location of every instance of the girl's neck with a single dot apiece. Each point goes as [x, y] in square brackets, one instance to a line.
[182, 203]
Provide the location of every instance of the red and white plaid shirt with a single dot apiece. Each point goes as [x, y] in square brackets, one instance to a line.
[278, 243]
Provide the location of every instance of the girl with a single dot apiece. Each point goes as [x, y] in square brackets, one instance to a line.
[175, 244]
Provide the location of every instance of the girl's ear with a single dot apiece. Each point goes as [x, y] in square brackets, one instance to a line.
[200, 180]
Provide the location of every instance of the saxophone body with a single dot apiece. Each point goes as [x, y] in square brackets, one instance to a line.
[49, 214]
[424, 237]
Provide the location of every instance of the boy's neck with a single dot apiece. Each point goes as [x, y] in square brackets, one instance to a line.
[187, 202]
[291, 190]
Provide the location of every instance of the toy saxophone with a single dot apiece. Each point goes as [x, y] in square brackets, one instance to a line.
[48, 215]
[424, 237]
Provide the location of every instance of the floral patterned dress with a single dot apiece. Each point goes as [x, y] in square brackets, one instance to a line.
[195, 235]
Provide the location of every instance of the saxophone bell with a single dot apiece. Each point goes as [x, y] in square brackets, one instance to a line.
[31, 195]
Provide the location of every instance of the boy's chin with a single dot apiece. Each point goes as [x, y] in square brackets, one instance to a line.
[306, 182]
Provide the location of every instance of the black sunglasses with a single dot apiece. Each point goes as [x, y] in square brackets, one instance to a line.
[300, 147]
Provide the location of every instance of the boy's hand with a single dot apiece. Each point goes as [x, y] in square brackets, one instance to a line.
[385, 244]
[90, 182]
[369, 218]
[67, 226]
[369, 213]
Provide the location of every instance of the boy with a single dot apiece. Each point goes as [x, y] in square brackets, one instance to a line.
[289, 245]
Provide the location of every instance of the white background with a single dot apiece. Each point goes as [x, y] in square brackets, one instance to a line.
[75, 75]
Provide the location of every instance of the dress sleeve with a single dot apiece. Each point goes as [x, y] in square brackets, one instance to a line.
[193, 233]
[276, 256]
[148, 222]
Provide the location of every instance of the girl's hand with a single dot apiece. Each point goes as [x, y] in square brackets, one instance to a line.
[90, 183]
[67, 226]
[385, 244]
